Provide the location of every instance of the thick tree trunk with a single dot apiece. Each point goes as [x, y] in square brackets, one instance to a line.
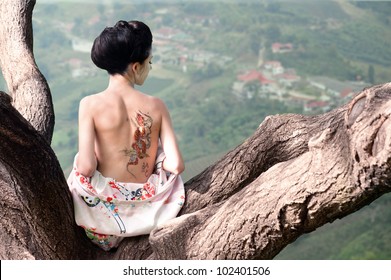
[27, 86]
[293, 175]
[36, 209]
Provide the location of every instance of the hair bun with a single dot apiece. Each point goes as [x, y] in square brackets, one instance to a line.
[122, 24]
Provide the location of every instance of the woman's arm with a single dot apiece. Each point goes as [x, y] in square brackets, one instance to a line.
[86, 161]
[173, 161]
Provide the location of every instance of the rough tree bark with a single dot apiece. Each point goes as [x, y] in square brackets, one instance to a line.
[36, 209]
[343, 163]
[293, 175]
[27, 86]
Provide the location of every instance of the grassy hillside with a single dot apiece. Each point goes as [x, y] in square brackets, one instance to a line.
[337, 39]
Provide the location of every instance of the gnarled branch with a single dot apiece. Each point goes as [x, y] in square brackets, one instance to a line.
[346, 166]
[26, 84]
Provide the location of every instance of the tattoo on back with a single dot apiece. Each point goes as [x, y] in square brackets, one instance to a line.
[142, 141]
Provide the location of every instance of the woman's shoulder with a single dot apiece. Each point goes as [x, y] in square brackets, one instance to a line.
[155, 102]
[92, 101]
[88, 99]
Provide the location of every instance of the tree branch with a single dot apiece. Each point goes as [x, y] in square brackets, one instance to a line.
[346, 167]
[279, 138]
[37, 220]
[26, 84]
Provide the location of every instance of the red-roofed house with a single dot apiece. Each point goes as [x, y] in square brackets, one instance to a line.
[281, 48]
[287, 79]
[251, 83]
[316, 106]
[346, 93]
[254, 75]
[274, 66]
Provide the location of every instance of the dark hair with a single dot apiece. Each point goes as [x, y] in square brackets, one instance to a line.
[116, 47]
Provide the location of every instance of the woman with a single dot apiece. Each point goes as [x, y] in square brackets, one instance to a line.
[120, 131]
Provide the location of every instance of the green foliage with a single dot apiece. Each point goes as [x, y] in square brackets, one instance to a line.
[381, 9]
[350, 43]
[320, 60]
[371, 74]
[212, 70]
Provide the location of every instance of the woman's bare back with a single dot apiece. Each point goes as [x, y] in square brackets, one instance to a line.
[127, 127]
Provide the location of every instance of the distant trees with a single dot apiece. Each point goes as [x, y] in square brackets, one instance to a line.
[211, 70]
[273, 7]
[198, 8]
[329, 62]
[167, 19]
[52, 36]
[256, 39]
[273, 33]
[371, 74]
[382, 8]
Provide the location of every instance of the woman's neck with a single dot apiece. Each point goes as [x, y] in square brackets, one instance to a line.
[120, 81]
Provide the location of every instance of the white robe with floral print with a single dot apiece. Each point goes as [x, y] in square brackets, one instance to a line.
[109, 210]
